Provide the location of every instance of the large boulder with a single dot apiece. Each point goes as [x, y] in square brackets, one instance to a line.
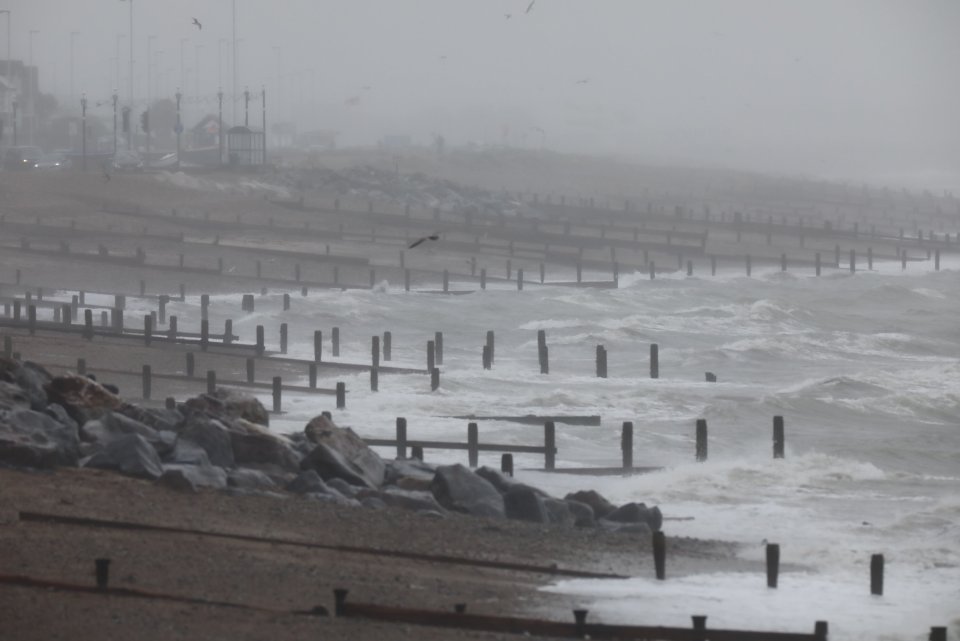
[159, 418]
[129, 454]
[186, 452]
[306, 482]
[600, 506]
[29, 377]
[636, 513]
[82, 398]
[210, 435]
[247, 479]
[230, 404]
[35, 439]
[363, 460]
[12, 396]
[398, 469]
[110, 425]
[457, 488]
[522, 502]
[405, 499]
[191, 478]
[330, 464]
[582, 513]
[254, 443]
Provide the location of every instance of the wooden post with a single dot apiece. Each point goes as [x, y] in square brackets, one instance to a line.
[387, 345]
[876, 574]
[261, 343]
[401, 437]
[870, 258]
[773, 564]
[341, 395]
[446, 281]
[406, 280]
[283, 338]
[853, 261]
[778, 437]
[543, 352]
[211, 381]
[251, 369]
[938, 633]
[32, 319]
[543, 272]
[172, 329]
[689, 268]
[183, 292]
[228, 331]
[204, 305]
[438, 347]
[431, 355]
[375, 351]
[7, 346]
[549, 445]
[162, 307]
[82, 366]
[335, 341]
[506, 464]
[434, 379]
[654, 360]
[483, 278]
[312, 375]
[88, 324]
[286, 302]
[601, 362]
[147, 329]
[817, 262]
[660, 555]
[748, 264]
[626, 445]
[277, 391]
[472, 444]
[190, 364]
[653, 270]
[145, 379]
[204, 334]
[486, 356]
[701, 439]
[246, 303]
[936, 260]
[490, 346]
[519, 280]
[579, 273]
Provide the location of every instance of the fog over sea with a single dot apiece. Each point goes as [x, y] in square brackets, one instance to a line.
[863, 368]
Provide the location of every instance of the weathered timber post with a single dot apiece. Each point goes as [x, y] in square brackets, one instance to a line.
[312, 375]
[653, 270]
[401, 437]
[438, 347]
[434, 379]
[147, 329]
[483, 278]
[472, 445]
[876, 574]
[654, 360]
[261, 343]
[817, 263]
[601, 362]
[626, 445]
[277, 391]
[191, 364]
[375, 352]
[701, 439]
[431, 356]
[778, 437]
[335, 341]
[490, 346]
[228, 331]
[341, 395]
[506, 464]
[519, 280]
[660, 555]
[283, 338]
[543, 352]
[88, 324]
[211, 381]
[251, 369]
[204, 305]
[773, 564]
[204, 334]
[549, 445]
[387, 345]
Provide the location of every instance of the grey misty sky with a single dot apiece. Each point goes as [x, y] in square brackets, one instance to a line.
[866, 89]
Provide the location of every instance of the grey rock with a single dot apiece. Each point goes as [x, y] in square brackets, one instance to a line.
[34, 439]
[415, 501]
[344, 488]
[522, 503]
[83, 399]
[211, 435]
[373, 502]
[190, 478]
[110, 425]
[457, 488]
[186, 452]
[559, 513]
[637, 513]
[244, 478]
[407, 468]
[60, 415]
[253, 443]
[129, 454]
[229, 404]
[330, 464]
[160, 419]
[600, 506]
[13, 396]
[582, 514]
[350, 447]
[308, 481]
[641, 529]
[29, 377]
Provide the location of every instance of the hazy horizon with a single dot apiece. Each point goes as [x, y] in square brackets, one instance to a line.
[860, 90]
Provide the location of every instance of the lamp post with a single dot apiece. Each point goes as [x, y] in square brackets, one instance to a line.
[179, 126]
[130, 87]
[246, 107]
[15, 105]
[120, 37]
[279, 97]
[150, 40]
[114, 122]
[83, 137]
[236, 62]
[220, 122]
[263, 106]
[73, 36]
[220, 63]
[196, 70]
[182, 72]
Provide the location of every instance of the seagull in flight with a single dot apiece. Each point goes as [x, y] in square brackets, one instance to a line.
[508, 15]
[582, 81]
[433, 236]
[197, 22]
[530, 6]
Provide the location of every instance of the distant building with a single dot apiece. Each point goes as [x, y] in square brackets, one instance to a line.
[245, 147]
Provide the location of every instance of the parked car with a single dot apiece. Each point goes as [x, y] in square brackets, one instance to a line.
[127, 161]
[53, 161]
[21, 158]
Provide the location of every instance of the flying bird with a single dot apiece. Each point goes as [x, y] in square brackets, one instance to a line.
[433, 236]
[197, 22]
[508, 15]
[530, 6]
[582, 81]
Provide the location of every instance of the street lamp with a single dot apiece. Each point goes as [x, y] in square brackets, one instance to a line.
[130, 97]
[33, 32]
[150, 40]
[196, 69]
[114, 122]
[73, 35]
[7, 11]
[182, 73]
[83, 124]
[279, 51]
[179, 127]
[120, 37]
